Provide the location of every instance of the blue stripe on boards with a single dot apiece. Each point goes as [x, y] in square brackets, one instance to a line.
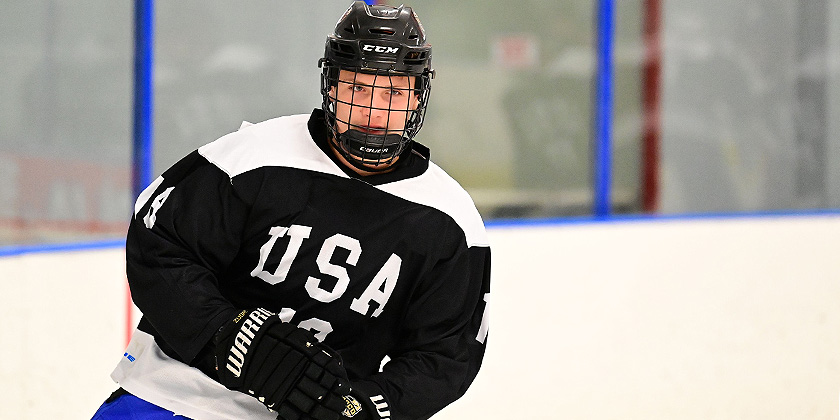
[12, 251]
[634, 218]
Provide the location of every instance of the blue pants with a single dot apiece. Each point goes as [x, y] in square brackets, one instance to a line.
[124, 406]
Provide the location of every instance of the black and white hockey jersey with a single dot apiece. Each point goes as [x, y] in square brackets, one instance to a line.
[391, 270]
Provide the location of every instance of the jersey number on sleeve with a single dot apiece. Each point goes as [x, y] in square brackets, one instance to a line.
[151, 216]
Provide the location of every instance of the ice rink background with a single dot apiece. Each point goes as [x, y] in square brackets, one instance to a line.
[686, 318]
[733, 318]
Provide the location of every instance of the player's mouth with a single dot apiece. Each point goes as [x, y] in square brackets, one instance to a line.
[378, 131]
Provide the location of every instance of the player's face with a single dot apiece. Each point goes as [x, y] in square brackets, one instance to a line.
[373, 104]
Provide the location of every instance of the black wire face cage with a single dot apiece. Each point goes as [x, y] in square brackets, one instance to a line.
[372, 114]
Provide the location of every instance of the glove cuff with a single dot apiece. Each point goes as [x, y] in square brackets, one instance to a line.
[372, 400]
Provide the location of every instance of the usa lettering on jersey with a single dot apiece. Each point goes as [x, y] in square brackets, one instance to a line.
[378, 291]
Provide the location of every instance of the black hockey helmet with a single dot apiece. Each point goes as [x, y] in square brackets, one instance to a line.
[385, 41]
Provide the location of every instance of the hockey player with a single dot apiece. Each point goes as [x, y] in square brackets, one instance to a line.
[311, 266]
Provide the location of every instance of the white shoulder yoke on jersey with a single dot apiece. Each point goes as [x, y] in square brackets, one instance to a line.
[282, 141]
[286, 142]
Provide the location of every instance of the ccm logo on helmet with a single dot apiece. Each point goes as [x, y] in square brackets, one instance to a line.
[380, 49]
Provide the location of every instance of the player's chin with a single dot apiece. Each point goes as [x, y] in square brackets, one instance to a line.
[375, 164]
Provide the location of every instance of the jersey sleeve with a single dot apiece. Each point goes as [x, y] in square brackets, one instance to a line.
[442, 344]
[179, 242]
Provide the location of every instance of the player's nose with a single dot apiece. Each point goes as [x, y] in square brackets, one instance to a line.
[379, 109]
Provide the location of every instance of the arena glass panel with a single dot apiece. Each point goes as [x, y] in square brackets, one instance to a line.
[750, 106]
[511, 115]
[717, 109]
[217, 65]
[65, 121]
[740, 118]
[507, 74]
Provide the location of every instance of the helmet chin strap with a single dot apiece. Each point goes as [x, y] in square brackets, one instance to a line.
[357, 146]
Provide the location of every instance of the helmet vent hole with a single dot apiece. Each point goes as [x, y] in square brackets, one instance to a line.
[381, 31]
[417, 56]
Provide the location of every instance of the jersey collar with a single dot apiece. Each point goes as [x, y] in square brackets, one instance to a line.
[414, 160]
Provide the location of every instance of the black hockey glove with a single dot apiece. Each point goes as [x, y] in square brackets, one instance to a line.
[283, 366]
